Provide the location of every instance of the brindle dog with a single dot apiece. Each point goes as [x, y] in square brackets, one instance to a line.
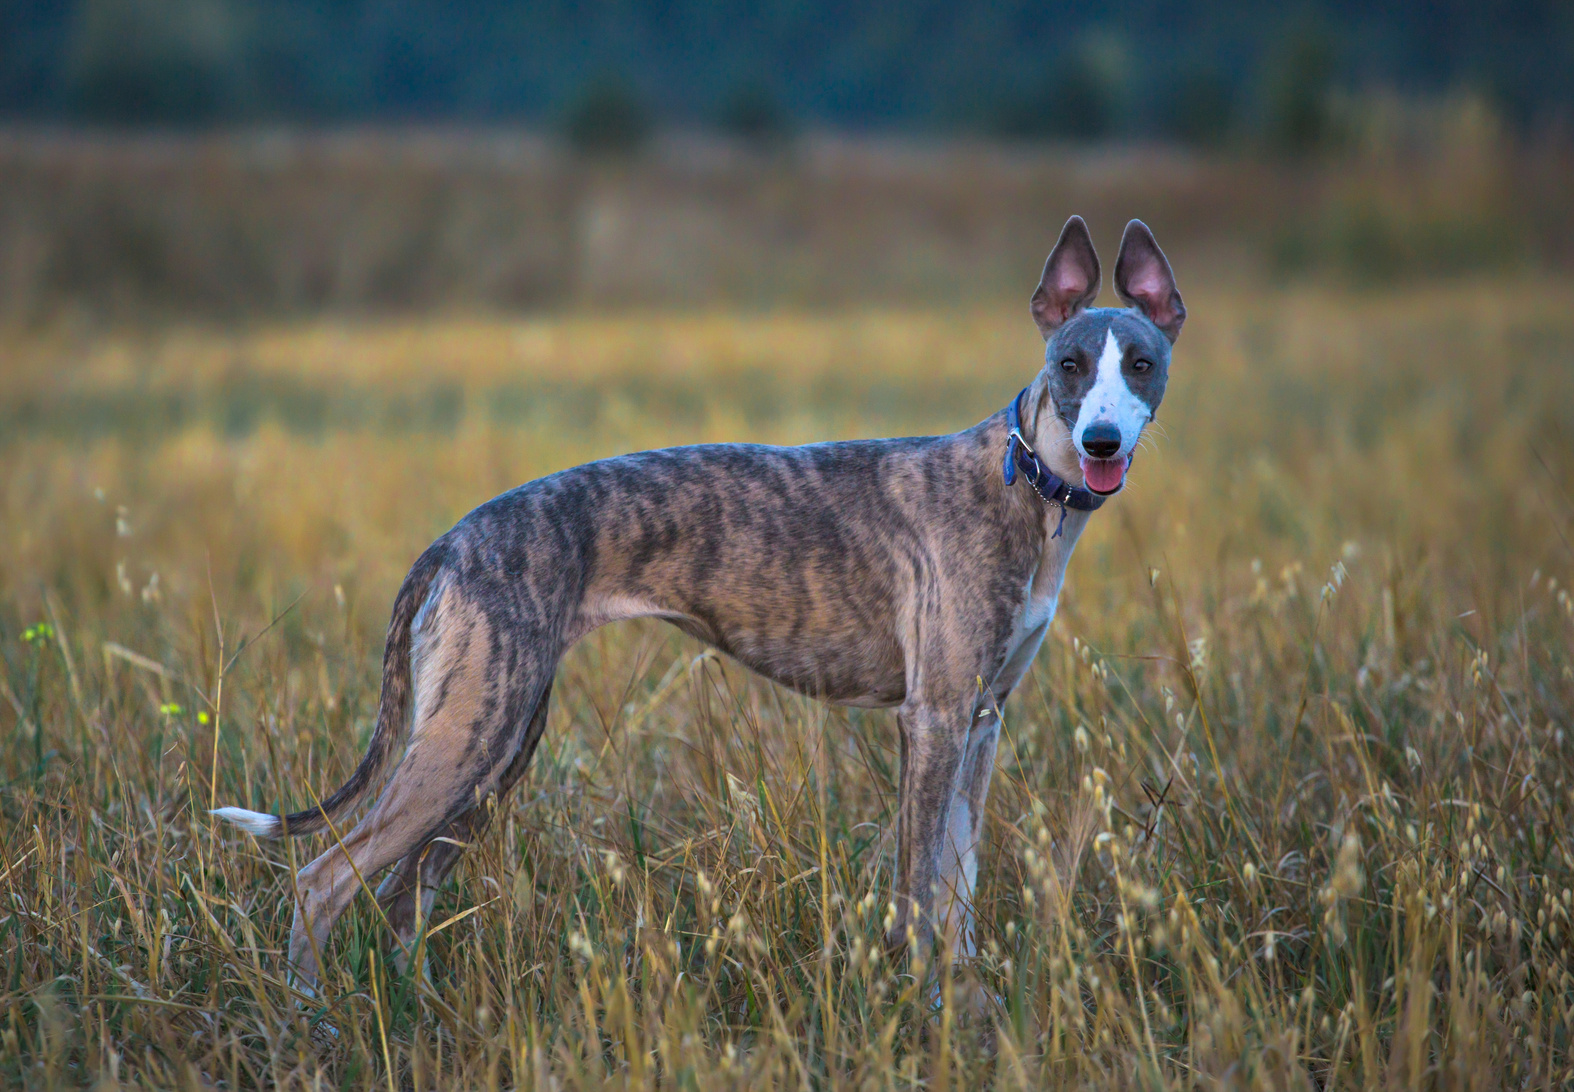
[882, 573]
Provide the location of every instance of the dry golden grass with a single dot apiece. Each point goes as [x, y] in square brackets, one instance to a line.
[1328, 627]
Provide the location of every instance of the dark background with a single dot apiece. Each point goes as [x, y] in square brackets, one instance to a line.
[245, 159]
[1184, 70]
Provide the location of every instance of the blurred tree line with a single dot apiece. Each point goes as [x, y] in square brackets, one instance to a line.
[607, 71]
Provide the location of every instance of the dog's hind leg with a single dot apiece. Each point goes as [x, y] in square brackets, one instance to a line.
[471, 683]
[410, 889]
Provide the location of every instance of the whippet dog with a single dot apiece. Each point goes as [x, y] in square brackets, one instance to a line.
[918, 574]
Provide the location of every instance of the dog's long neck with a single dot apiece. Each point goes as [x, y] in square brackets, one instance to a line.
[1023, 510]
[1046, 430]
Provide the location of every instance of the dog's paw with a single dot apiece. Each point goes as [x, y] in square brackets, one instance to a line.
[975, 1010]
[301, 985]
[907, 938]
[322, 1034]
[896, 943]
[324, 1037]
[401, 965]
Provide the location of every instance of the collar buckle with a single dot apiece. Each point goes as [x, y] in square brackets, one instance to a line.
[1048, 485]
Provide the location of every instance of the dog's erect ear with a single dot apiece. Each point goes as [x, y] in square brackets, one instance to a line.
[1070, 281]
[1144, 280]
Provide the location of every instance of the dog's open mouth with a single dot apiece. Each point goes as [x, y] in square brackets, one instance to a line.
[1104, 476]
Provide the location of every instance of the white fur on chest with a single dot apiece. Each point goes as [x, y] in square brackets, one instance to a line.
[1027, 634]
[1042, 596]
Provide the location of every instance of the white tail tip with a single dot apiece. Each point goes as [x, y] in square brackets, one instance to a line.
[253, 822]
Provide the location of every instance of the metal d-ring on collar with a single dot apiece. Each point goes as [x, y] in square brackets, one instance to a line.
[1048, 485]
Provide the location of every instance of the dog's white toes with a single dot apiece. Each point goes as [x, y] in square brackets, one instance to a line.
[968, 998]
[300, 985]
[324, 1036]
[401, 963]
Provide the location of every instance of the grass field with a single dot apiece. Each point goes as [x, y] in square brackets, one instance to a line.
[1328, 627]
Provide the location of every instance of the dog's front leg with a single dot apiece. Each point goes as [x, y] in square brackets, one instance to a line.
[933, 740]
[965, 833]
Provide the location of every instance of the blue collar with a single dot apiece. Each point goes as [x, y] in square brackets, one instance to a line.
[1048, 485]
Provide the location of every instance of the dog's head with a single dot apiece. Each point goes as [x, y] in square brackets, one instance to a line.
[1105, 368]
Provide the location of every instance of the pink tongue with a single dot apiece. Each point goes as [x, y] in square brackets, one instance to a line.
[1104, 475]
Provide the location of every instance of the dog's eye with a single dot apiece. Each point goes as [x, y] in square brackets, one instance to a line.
[1068, 365]
[1141, 365]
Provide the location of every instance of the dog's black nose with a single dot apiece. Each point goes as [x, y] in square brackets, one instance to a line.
[1101, 441]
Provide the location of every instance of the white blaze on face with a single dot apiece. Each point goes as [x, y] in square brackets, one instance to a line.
[1110, 401]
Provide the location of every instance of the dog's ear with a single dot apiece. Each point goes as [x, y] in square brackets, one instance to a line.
[1143, 279]
[1070, 281]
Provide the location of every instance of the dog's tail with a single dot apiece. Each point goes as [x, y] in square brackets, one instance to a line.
[393, 714]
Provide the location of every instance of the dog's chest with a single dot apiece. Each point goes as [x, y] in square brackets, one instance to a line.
[1036, 613]
[1027, 634]
[1040, 597]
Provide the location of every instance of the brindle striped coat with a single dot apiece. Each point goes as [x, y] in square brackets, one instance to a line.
[883, 573]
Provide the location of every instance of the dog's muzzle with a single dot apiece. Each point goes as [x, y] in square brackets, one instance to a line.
[1103, 467]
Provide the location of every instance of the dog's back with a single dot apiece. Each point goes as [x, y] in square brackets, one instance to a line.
[797, 561]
